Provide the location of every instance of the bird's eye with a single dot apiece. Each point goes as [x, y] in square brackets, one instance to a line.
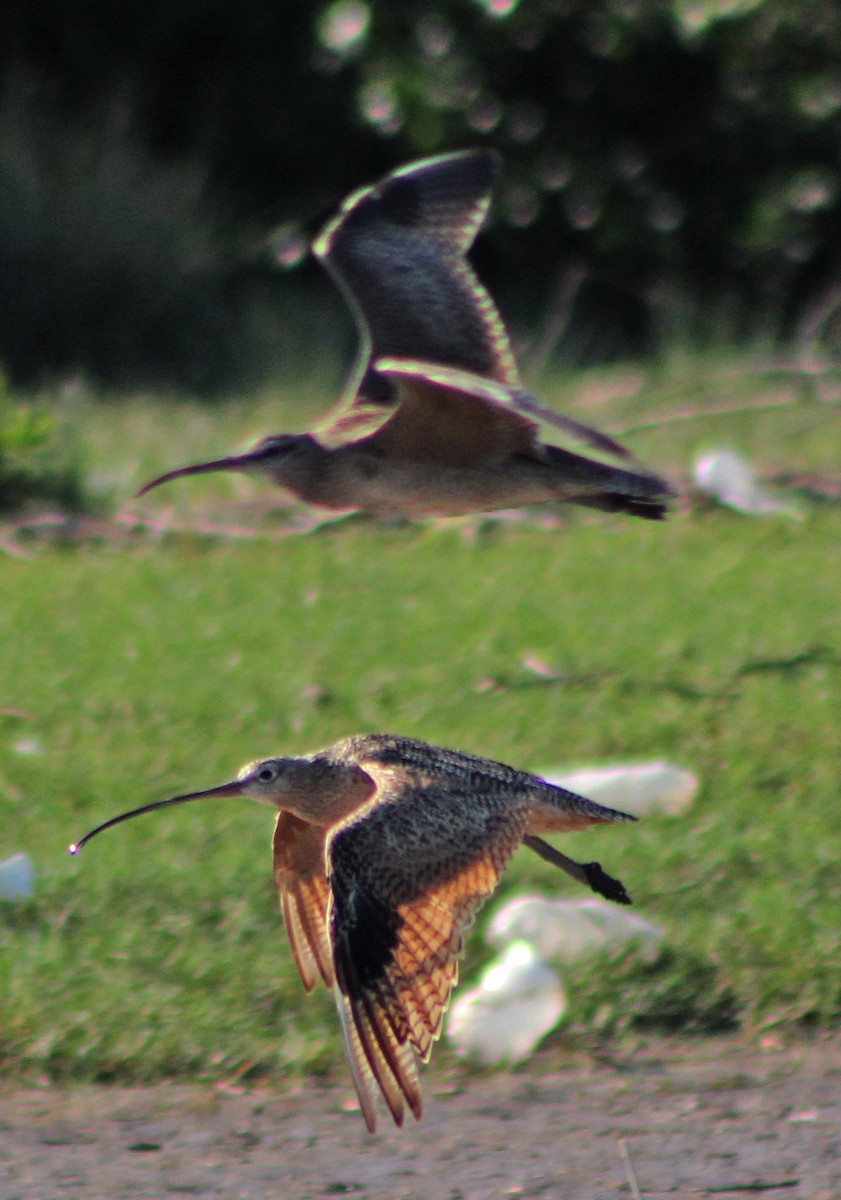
[266, 774]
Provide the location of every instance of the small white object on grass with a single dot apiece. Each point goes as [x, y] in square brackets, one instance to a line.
[17, 877]
[28, 746]
[518, 1001]
[565, 930]
[636, 788]
[730, 479]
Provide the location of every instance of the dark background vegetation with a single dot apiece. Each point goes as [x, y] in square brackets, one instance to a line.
[670, 168]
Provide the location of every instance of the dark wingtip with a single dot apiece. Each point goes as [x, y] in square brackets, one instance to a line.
[605, 885]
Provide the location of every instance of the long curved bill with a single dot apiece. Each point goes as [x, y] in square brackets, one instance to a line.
[226, 789]
[232, 463]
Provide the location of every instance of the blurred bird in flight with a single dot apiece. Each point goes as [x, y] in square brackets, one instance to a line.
[385, 848]
[434, 421]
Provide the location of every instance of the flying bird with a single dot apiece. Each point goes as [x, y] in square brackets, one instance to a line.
[433, 421]
[385, 848]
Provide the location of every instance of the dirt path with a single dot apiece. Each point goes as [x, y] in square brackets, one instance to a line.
[671, 1119]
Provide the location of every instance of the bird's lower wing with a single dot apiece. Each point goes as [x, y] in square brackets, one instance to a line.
[396, 948]
[470, 415]
[348, 422]
[375, 1053]
[450, 417]
[303, 891]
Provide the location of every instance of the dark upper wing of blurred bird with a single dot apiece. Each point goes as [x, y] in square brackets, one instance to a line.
[397, 251]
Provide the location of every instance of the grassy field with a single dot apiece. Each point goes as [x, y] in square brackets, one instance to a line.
[130, 672]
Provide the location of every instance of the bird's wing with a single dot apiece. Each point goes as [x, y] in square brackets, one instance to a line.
[408, 873]
[446, 416]
[396, 251]
[524, 402]
[378, 1060]
[303, 890]
[455, 417]
[445, 197]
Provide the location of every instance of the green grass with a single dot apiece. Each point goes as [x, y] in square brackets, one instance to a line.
[137, 672]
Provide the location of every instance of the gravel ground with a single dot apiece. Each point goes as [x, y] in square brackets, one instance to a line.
[664, 1119]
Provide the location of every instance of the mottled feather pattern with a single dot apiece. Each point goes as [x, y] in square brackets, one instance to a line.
[396, 962]
[385, 848]
[407, 878]
[369, 1067]
[397, 251]
[375, 1050]
[476, 775]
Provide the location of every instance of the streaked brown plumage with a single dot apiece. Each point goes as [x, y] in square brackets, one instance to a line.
[385, 848]
[434, 421]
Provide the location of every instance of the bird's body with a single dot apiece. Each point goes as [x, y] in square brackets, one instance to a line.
[384, 850]
[479, 460]
[433, 421]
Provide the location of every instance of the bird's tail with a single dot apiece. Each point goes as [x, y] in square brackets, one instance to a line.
[593, 484]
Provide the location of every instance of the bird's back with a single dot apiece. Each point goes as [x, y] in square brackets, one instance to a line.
[453, 801]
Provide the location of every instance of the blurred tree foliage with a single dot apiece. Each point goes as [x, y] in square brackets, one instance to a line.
[38, 460]
[678, 160]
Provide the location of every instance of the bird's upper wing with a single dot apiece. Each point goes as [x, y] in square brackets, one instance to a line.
[408, 874]
[396, 251]
[303, 890]
[445, 415]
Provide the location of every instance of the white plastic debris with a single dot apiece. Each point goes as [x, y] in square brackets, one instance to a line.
[28, 746]
[565, 930]
[636, 788]
[518, 1000]
[730, 479]
[17, 877]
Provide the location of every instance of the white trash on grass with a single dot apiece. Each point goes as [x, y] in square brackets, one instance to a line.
[730, 479]
[28, 746]
[565, 930]
[17, 877]
[519, 999]
[636, 788]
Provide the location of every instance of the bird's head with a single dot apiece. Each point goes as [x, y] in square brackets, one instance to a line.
[317, 788]
[266, 780]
